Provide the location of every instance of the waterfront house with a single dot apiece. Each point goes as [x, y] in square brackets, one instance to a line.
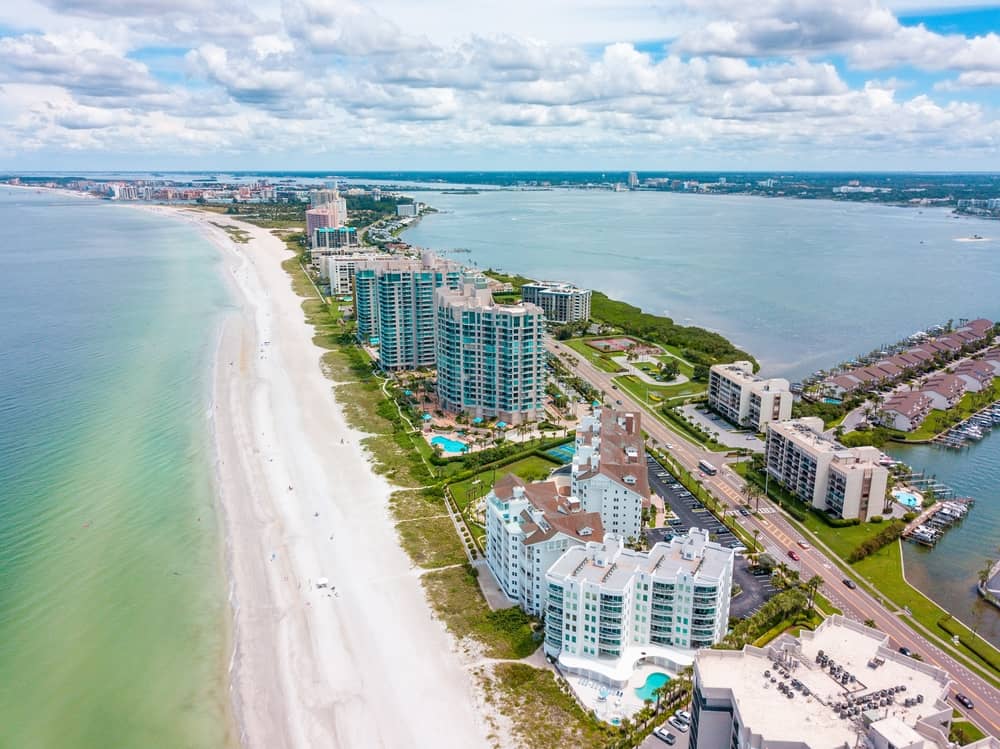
[992, 358]
[977, 375]
[841, 385]
[921, 355]
[980, 327]
[904, 411]
[944, 390]
[891, 370]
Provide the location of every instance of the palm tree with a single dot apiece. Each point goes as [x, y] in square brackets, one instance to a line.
[812, 587]
[984, 573]
[756, 535]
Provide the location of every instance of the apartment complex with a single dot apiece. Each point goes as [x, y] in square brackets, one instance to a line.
[563, 302]
[845, 482]
[334, 238]
[745, 399]
[339, 269]
[329, 210]
[840, 686]
[528, 527]
[394, 307]
[610, 608]
[609, 470]
[490, 357]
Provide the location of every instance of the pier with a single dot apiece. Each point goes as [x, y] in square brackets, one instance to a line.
[929, 526]
[971, 429]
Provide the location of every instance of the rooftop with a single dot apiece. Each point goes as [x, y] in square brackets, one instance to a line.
[611, 443]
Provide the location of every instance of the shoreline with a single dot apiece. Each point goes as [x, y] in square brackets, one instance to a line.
[311, 666]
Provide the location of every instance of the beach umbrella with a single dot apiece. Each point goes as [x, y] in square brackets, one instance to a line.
[501, 425]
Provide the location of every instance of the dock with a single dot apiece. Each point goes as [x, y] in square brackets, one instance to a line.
[929, 526]
[971, 429]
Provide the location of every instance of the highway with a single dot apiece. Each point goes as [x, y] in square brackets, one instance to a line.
[779, 537]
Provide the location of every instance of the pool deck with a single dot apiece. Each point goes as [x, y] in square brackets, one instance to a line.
[626, 705]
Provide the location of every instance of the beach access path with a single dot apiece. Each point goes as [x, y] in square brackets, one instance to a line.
[361, 662]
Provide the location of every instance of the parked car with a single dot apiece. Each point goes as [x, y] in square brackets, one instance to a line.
[744, 511]
[664, 735]
[964, 701]
[850, 583]
[684, 715]
[793, 555]
[680, 725]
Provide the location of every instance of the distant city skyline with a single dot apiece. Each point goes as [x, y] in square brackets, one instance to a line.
[343, 85]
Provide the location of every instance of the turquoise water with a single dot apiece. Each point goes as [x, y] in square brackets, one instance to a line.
[801, 284]
[113, 612]
[449, 445]
[907, 498]
[653, 682]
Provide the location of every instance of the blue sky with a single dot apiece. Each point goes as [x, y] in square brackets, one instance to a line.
[606, 84]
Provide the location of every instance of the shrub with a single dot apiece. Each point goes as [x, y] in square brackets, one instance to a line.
[876, 519]
[884, 537]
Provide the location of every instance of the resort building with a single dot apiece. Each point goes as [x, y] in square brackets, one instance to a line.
[339, 269]
[528, 527]
[845, 482]
[329, 210]
[842, 685]
[611, 609]
[334, 238]
[394, 307]
[745, 399]
[609, 470]
[992, 357]
[490, 356]
[563, 303]
[904, 411]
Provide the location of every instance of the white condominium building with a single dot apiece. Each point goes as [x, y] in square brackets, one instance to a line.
[562, 302]
[847, 482]
[745, 399]
[340, 269]
[609, 470]
[610, 608]
[528, 527]
[839, 687]
[490, 356]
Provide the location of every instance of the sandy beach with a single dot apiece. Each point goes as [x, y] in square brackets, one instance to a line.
[363, 662]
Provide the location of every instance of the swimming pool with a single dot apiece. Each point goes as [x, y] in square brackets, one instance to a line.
[449, 445]
[653, 682]
[907, 498]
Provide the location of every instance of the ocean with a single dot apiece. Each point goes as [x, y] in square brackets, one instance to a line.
[113, 608]
[800, 284]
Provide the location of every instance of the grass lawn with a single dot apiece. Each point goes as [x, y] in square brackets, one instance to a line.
[963, 732]
[455, 596]
[410, 504]
[592, 355]
[641, 390]
[531, 468]
[547, 715]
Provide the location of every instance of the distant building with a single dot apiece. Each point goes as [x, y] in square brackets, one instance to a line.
[563, 303]
[335, 238]
[490, 357]
[843, 685]
[528, 527]
[633, 180]
[609, 470]
[610, 609]
[406, 209]
[847, 482]
[745, 399]
[394, 307]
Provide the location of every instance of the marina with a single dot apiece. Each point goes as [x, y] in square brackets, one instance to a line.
[972, 429]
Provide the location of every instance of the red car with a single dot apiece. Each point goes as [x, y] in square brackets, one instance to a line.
[793, 555]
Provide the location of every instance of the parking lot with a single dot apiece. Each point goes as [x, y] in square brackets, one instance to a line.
[690, 513]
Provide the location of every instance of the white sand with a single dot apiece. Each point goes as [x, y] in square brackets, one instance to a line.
[368, 666]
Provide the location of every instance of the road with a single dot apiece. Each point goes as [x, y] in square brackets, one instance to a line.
[779, 537]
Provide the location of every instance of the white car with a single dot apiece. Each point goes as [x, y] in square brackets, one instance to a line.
[664, 735]
[684, 715]
[679, 725]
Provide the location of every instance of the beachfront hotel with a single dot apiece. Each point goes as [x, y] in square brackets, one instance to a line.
[611, 609]
[394, 307]
[329, 210]
[609, 470]
[334, 239]
[840, 686]
[845, 482]
[528, 527]
[563, 302]
[745, 399]
[490, 356]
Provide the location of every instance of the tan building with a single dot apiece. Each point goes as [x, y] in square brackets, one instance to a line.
[745, 399]
[847, 482]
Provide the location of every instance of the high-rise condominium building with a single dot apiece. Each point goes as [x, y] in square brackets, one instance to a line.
[609, 470]
[848, 482]
[609, 608]
[394, 307]
[842, 685]
[340, 268]
[490, 357]
[327, 210]
[745, 399]
[563, 302]
[528, 527]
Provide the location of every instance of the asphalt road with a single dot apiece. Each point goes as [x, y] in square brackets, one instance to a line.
[779, 537]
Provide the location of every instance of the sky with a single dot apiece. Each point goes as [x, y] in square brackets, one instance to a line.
[522, 84]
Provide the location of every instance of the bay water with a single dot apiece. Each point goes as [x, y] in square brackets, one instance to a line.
[113, 610]
[800, 284]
